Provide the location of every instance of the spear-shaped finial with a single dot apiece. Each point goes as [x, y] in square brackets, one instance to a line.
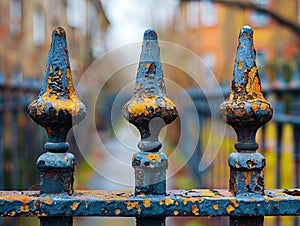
[247, 109]
[57, 108]
[150, 98]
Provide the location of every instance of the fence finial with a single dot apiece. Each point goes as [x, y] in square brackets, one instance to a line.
[150, 98]
[246, 111]
[150, 110]
[57, 108]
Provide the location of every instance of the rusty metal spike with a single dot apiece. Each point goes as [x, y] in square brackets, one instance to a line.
[247, 109]
[150, 98]
[57, 108]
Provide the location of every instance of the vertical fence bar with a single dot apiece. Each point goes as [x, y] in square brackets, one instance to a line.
[57, 109]
[14, 140]
[246, 111]
[150, 110]
[2, 153]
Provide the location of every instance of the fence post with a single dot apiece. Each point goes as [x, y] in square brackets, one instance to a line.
[150, 110]
[57, 109]
[246, 111]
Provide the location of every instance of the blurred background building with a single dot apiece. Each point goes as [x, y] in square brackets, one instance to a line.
[25, 33]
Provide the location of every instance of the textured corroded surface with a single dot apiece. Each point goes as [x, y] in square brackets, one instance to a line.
[150, 98]
[247, 109]
[176, 203]
[150, 173]
[57, 108]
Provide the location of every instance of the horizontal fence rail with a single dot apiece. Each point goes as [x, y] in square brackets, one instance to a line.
[57, 109]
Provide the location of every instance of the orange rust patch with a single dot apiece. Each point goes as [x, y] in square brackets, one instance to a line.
[131, 205]
[47, 200]
[195, 210]
[24, 208]
[234, 202]
[254, 107]
[75, 205]
[22, 198]
[240, 66]
[229, 209]
[169, 201]
[263, 106]
[153, 157]
[216, 207]
[147, 202]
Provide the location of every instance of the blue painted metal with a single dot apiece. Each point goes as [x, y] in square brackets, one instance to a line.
[57, 109]
[150, 110]
[246, 111]
[194, 202]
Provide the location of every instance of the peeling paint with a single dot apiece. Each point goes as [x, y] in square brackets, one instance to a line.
[229, 209]
[75, 205]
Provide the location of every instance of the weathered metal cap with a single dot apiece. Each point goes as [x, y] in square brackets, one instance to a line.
[150, 102]
[57, 108]
[246, 110]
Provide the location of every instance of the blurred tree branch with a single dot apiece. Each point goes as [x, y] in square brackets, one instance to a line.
[280, 19]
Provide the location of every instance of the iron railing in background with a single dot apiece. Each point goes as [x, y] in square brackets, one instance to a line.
[20, 139]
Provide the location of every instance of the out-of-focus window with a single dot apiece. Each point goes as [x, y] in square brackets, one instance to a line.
[208, 13]
[15, 11]
[76, 14]
[299, 11]
[193, 10]
[56, 11]
[261, 59]
[258, 19]
[38, 27]
[94, 31]
[210, 59]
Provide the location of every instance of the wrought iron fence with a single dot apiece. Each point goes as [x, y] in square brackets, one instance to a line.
[57, 109]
